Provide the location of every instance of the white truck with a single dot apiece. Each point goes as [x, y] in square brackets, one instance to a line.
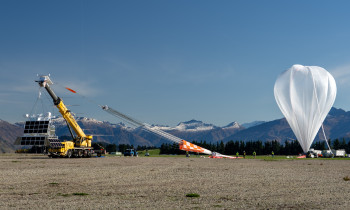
[339, 153]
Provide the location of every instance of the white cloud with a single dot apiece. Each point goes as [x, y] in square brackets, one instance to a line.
[341, 74]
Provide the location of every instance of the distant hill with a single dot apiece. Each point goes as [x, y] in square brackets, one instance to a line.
[8, 135]
[336, 125]
[252, 124]
[268, 131]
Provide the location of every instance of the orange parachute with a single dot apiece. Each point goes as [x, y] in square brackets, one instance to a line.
[73, 91]
[187, 146]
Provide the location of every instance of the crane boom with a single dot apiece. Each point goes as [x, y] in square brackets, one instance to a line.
[82, 138]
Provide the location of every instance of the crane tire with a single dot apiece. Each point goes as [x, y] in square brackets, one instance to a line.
[69, 154]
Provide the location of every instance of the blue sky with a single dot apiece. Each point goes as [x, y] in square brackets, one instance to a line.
[164, 62]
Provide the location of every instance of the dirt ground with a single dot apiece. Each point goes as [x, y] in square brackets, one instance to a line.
[37, 182]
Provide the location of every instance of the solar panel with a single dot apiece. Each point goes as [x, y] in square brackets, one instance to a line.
[36, 127]
[33, 140]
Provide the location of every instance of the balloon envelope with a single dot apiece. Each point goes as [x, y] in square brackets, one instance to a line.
[305, 95]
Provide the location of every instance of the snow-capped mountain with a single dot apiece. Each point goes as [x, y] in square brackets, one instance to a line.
[61, 120]
[189, 126]
[232, 125]
[194, 126]
[195, 130]
[252, 124]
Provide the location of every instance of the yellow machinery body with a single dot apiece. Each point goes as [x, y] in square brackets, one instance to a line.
[67, 145]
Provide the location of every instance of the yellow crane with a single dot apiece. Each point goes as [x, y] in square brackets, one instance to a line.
[80, 146]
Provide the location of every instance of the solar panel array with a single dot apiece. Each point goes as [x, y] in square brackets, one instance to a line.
[36, 134]
[36, 127]
[33, 140]
[40, 141]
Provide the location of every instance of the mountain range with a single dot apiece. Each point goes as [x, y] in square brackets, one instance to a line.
[336, 125]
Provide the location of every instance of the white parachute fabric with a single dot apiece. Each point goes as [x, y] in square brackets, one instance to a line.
[305, 95]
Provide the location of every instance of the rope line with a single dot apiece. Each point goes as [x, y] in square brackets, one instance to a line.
[319, 111]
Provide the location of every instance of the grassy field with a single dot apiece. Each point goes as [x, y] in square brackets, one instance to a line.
[172, 182]
[155, 153]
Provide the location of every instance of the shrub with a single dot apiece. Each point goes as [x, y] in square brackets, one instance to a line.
[80, 194]
[192, 195]
[64, 195]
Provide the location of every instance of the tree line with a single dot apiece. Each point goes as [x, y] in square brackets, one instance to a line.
[230, 148]
[261, 148]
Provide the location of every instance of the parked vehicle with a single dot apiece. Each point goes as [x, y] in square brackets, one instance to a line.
[339, 153]
[131, 152]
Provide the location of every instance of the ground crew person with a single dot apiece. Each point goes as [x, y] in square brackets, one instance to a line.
[237, 154]
[244, 154]
[254, 154]
[273, 154]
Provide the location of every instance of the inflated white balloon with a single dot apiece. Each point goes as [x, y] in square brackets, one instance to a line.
[305, 95]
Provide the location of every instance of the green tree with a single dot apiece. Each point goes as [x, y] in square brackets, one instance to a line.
[336, 144]
[111, 147]
[123, 147]
[221, 147]
[342, 144]
[275, 147]
[229, 148]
